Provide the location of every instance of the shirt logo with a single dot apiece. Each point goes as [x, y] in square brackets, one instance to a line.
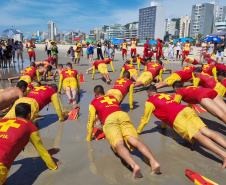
[166, 96]
[121, 81]
[28, 69]
[8, 124]
[39, 88]
[69, 72]
[206, 66]
[108, 100]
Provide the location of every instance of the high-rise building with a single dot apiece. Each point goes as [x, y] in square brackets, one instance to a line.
[202, 19]
[152, 22]
[115, 31]
[132, 31]
[170, 26]
[220, 25]
[185, 22]
[52, 30]
[39, 33]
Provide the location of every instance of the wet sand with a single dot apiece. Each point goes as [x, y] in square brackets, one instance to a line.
[94, 162]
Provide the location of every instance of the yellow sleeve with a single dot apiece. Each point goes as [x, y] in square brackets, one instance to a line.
[149, 108]
[214, 71]
[178, 98]
[92, 117]
[138, 64]
[49, 73]
[196, 81]
[160, 75]
[56, 105]
[123, 69]
[190, 105]
[131, 61]
[131, 96]
[77, 78]
[94, 69]
[36, 141]
[60, 82]
[112, 67]
[38, 75]
[145, 68]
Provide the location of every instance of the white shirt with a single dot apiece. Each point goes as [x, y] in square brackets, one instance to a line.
[178, 46]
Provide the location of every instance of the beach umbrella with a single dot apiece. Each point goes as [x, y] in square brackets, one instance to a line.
[214, 39]
[220, 33]
[84, 42]
[90, 40]
[116, 41]
[150, 42]
[9, 32]
[183, 40]
[75, 39]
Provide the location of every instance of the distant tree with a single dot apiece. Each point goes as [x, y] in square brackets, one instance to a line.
[177, 22]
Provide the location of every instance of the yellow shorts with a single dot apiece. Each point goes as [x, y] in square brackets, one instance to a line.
[146, 78]
[31, 101]
[77, 55]
[70, 82]
[133, 72]
[173, 78]
[187, 124]
[116, 93]
[103, 68]
[221, 90]
[118, 127]
[3, 173]
[26, 78]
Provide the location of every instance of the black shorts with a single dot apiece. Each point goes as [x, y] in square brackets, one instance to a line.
[178, 52]
[48, 52]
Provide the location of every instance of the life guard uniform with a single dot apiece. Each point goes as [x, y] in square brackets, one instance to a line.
[179, 117]
[69, 78]
[101, 65]
[38, 98]
[29, 74]
[140, 61]
[145, 50]
[211, 60]
[30, 50]
[40, 63]
[210, 70]
[116, 123]
[124, 48]
[133, 47]
[78, 49]
[150, 54]
[159, 52]
[186, 49]
[15, 134]
[183, 76]
[208, 81]
[194, 95]
[150, 72]
[220, 67]
[121, 88]
[130, 68]
[192, 61]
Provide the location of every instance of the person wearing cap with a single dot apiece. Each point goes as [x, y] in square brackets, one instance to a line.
[220, 49]
[133, 45]
[171, 50]
[78, 52]
[179, 49]
[187, 46]
[146, 49]
[30, 50]
[54, 51]
[159, 49]
[124, 49]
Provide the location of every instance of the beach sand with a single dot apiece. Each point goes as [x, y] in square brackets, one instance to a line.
[94, 162]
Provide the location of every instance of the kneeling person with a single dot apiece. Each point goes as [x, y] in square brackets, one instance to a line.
[118, 129]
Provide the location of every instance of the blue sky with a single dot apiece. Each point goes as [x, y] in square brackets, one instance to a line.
[29, 16]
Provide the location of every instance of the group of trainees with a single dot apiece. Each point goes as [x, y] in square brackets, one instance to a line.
[105, 109]
[118, 128]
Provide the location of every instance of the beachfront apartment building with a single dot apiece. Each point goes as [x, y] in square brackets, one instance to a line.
[170, 26]
[220, 25]
[202, 19]
[132, 31]
[152, 22]
[185, 22]
[52, 30]
[115, 31]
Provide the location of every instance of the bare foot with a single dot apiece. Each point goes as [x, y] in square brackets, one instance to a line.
[155, 168]
[108, 82]
[74, 101]
[10, 81]
[70, 101]
[136, 172]
[87, 71]
[224, 163]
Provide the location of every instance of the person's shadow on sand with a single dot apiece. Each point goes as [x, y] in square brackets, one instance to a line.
[28, 172]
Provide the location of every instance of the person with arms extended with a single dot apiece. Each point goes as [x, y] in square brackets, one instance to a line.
[118, 129]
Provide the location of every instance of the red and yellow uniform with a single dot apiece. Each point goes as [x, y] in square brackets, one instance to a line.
[101, 65]
[220, 67]
[192, 61]
[186, 49]
[183, 76]
[15, 134]
[211, 60]
[78, 50]
[150, 72]
[121, 88]
[208, 81]
[224, 82]
[159, 52]
[38, 98]
[130, 68]
[140, 61]
[133, 44]
[124, 48]
[210, 70]
[69, 78]
[194, 95]
[146, 48]
[117, 124]
[41, 63]
[29, 74]
[180, 117]
[30, 50]
[150, 54]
